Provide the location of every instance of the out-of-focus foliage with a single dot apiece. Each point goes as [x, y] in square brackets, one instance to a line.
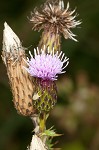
[76, 114]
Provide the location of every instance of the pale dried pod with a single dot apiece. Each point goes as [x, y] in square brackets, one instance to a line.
[21, 82]
[37, 144]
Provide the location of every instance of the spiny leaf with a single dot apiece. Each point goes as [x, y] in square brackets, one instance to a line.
[50, 132]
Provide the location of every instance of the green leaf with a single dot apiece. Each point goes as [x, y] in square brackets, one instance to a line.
[50, 132]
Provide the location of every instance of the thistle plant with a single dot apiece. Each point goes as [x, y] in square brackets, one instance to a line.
[33, 79]
[45, 67]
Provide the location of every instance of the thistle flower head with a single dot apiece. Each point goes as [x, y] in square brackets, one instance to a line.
[46, 65]
[53, 16]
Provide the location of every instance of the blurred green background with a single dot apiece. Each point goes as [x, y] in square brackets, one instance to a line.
[76, 114]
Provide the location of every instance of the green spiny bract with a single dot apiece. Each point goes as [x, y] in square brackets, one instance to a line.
[45, 95]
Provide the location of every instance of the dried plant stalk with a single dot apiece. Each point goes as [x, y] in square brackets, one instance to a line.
[21, 82]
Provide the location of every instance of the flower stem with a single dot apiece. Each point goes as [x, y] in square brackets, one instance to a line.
[42, 122]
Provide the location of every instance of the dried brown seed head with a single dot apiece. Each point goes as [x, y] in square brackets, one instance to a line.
[54, 17]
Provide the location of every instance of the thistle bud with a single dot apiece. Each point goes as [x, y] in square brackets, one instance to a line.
[20, 81]
[55, 20]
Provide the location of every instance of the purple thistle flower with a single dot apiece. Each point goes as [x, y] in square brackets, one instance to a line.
[46, 65]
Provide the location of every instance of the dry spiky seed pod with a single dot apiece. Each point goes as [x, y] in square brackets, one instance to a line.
[21, 82]
[55, 20]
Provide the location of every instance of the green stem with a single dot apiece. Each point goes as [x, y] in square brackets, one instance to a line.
[42, 122]
[42, 126]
